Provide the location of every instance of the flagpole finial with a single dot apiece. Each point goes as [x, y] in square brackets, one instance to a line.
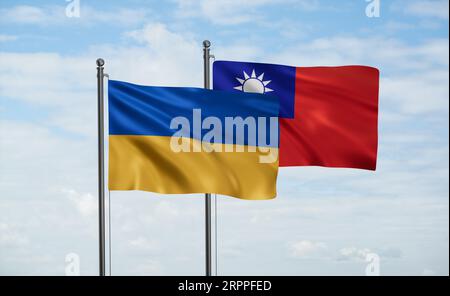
[100, 62]
[206, 43]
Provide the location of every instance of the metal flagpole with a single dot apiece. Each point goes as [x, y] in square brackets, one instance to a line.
[206, 75]
[101, 167]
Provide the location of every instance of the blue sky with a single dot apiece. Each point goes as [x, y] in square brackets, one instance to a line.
[323, 222]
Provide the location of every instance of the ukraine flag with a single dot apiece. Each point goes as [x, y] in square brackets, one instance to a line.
[177, 140]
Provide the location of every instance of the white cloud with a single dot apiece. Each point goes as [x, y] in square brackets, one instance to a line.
[10, 237]
[148, 267]
[6, 38]
[426, 8]
[307, 5]
[143, 244]
[45, 78]
[428, 272]
[352, 253]
[389, 253]
[420, 93]
[307, 249]
[396, 56]
[164, 58]
[123, 16]
[24, 14]
[395, 26]
[48, 147]
[86, 203]
[234, 12]
[225, 12]
[51, 15]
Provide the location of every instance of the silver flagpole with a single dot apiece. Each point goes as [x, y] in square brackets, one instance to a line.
[101, 168]
[206, 75]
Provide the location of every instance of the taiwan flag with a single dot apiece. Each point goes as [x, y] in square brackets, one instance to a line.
[328, 115]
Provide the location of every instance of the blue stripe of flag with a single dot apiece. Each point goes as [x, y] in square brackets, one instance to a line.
[148, 110]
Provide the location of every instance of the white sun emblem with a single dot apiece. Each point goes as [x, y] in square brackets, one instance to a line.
[253, 84]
